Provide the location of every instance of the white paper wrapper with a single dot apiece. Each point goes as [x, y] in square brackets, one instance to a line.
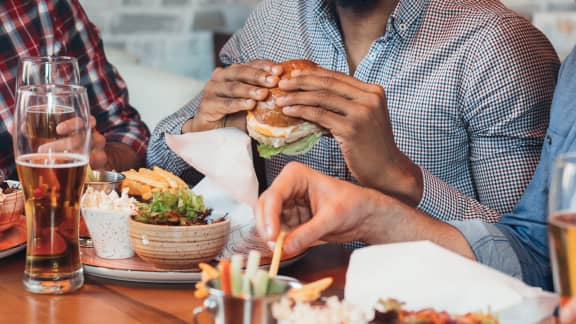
[423, 275]
[109, 232]
[222, 155]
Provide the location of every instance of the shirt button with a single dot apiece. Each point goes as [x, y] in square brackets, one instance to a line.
[403, 27]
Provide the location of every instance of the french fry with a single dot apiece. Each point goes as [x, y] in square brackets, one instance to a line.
[209, 270]
[156, 176]
[137, 188]
[311, 291]
[208, 273]
[277, 256]
[133, 175]
[180, 183]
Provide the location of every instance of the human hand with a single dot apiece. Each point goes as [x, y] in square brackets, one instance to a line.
[356, 114]
[233, 91]
[98, 157]
[314, 207]
[568, 312]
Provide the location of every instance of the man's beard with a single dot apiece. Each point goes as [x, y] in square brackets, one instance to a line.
[356, 4]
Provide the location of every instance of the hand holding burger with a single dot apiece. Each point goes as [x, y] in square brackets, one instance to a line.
[232, 91]
[277, 132]
[356, 114]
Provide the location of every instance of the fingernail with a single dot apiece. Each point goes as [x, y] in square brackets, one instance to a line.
[288, 109]
[269, 231]
[290, 247]
[296, 73]
[275, 70]
[249, 102]
[271, 245]
[270, 79]
[257, 93]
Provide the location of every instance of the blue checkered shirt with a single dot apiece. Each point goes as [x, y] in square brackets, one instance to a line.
[469, 85]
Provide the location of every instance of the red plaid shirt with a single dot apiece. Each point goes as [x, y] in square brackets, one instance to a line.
[61, 27]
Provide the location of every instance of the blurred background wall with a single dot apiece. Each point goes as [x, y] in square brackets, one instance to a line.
[178, 35]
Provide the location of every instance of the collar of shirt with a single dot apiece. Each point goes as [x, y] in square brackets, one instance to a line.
[404, 20]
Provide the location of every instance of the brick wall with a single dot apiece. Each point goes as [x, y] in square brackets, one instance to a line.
[176, 35]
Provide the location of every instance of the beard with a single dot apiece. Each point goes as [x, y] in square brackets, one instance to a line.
[356, 4]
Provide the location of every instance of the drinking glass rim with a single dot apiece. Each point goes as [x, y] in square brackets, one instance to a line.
[50, 88]
[49, 58]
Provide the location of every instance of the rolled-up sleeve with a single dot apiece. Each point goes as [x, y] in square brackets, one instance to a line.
[501, 247]
[490, 246]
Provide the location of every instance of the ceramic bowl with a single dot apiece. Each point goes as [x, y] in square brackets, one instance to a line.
[178, 247]
[11, 206]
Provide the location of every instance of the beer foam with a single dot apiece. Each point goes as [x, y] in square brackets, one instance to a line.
[50, 160]
[99, 199]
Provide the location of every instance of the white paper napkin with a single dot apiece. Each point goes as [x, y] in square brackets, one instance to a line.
[423, 274]
[224, 156]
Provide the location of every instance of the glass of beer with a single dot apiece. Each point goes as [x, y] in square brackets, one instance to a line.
[38, 70]
[562, 225]
[51, 147]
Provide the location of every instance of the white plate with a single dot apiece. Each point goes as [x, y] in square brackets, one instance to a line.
[14, 250]
[241, 240]
[13, 240]
[143, 276]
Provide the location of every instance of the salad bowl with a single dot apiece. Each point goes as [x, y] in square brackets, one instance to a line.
[176, 231]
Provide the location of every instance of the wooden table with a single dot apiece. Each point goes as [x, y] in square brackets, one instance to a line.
[113, 302]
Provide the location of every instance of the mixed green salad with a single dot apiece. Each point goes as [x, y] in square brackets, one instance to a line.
[180, 208]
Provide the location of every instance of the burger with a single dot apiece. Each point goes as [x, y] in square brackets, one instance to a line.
[277, 133]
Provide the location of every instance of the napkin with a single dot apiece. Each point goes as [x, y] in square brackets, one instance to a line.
[243, 236]
[224, 156]
[423, 274]
[230, 187]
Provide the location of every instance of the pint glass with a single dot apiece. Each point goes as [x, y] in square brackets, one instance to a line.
[37, 70]
[52, 141]
[562, 225]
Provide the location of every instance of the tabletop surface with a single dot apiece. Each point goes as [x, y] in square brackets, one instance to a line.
[108, 301]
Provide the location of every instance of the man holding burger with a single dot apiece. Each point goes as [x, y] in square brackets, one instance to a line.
[441, 104]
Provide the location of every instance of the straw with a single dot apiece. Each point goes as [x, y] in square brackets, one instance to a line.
[277, 256]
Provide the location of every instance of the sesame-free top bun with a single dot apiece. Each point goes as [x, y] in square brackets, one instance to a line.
[268, 125]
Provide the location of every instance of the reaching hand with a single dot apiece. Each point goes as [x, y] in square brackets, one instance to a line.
[313, 207]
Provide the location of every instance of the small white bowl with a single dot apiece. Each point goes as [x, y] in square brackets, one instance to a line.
[109, 232]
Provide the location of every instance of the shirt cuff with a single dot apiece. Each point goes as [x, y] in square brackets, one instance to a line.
[490, 246]
[438, 198]
[444, 202]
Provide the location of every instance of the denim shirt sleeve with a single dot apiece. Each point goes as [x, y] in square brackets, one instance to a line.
[518, 244]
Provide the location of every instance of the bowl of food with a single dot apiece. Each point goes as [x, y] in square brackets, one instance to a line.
[11, 204]
[175, 230]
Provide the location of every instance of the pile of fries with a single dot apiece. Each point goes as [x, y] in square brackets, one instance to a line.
[146, 181]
